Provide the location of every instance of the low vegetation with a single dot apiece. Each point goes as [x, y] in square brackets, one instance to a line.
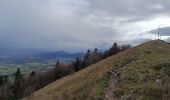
[102, 86]
[147, 77]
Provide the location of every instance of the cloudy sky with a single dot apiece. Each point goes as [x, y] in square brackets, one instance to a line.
[80, 24]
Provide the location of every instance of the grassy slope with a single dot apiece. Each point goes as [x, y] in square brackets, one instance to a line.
[137, 66]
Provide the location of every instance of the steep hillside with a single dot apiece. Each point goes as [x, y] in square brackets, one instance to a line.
[142, 73]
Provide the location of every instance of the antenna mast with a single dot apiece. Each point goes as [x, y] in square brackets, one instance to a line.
[159, 36]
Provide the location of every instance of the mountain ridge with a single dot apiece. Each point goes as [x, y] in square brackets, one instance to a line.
[140, 70]
[21, 56]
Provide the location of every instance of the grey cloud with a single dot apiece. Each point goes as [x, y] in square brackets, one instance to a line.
[131, 9]
[74, 24]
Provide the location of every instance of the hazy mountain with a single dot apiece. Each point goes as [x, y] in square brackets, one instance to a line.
[18, 56]
[59, 54]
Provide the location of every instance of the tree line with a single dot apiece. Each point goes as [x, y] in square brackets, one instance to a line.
[25, 85]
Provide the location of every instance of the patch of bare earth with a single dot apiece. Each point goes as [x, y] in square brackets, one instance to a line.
[112, 85]
[113, 82]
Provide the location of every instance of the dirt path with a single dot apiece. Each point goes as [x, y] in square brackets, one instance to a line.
[115, 76]
[112, 85]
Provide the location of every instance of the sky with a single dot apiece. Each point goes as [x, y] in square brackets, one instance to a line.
[75, 25]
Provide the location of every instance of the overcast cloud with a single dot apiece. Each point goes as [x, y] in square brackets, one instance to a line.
[80, 24]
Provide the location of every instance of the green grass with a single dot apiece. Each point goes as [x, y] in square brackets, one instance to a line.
[102, 86]
[8, 69]
[25, 68]
[152, 62]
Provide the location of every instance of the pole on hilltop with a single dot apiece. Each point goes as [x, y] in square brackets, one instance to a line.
[159, 36]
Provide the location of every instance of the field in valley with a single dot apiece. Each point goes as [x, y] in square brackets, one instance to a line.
[26, 68]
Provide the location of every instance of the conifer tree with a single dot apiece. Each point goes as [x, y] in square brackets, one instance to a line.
[32, 74]
[17, 87]
[1, 80]
[77, 64]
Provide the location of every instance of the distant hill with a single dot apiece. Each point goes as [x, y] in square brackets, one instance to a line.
[59, 54]
[139, 73]
[8, 51]
[20, 56]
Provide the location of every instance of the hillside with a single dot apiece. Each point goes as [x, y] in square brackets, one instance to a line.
[142, 73]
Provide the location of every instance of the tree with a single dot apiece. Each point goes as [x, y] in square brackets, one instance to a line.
[85, 61]
[6, 91]
[77, 64]
[58, 63]
[18, 86]
[18, 75]
[87, 54]
[95, 51]
[32, 74]
[5, 79]
[1, 80]
[114, 48]
[96, 56]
